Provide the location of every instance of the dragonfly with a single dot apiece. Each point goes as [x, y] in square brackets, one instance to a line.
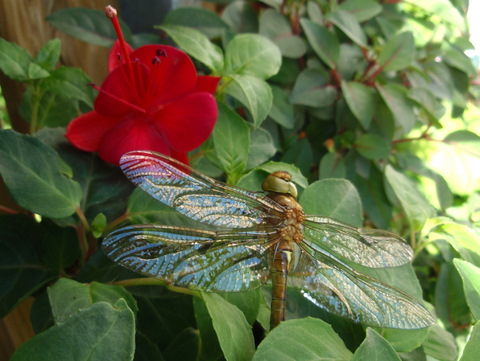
[257, 237]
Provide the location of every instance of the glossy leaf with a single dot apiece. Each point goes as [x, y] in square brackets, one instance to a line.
[35, 176]
[324, 43]
[375, 347]
[88, 25]
[305, 339]
[361, 101]
[254, 93]
[233, 333]
[416, 208]
[372, 146]
[231, 138]
[395, 96]
[250, 54]
[276, 27]
[312, 88]
[398, 53]
[197, 45]
[335, 198]
[80, 334]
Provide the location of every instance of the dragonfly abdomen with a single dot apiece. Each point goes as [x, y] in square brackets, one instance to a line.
[280, 268]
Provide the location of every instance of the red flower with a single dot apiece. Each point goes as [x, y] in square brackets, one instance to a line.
[152, 99]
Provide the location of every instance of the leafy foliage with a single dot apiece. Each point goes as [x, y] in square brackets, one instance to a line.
[368, 99]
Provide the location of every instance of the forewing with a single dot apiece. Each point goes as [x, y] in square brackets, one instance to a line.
[196, 259]
[345, 292]
[372, 248]
[195, 195]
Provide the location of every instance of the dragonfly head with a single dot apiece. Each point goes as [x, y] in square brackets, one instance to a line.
[280, 182]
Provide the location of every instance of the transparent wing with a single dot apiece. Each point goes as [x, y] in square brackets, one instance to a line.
[197, 196]
[201, 260]
[339, 289]
[368, 247]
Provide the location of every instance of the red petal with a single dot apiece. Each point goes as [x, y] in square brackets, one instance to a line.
[181, 157]
[207, 84]
[134, 134]
[187, 122]
[120, 94]
[86, 131]
[173, 76]
[116, 58]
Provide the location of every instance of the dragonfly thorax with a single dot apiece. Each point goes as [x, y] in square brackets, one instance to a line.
[291, 228]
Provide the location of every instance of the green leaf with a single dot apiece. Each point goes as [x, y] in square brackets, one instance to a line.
[457, 159]
[349, 25]
[14, 61]
[210, 347]
[70, 83]
[203, 20]
[22, 272]
[362, 10]
[233, 331]
[282, 110]
[335, 198]
[261, 147]
[332, 166]
[471, 284]
[163, 316]
[427, 100]
[248, 302]
[297, 176]
[34, 175]
[68, 297]
[416, 208]
[53, 110]
[440, 344]
[276, 27]
[89, 25]
[35, 71]
[375, 347]
[241, 17]
[324, 43]
[60, 248]
[472, 347]
[99, 332]
[231, 137]
[49, 55]
[251, 54]
[105, 185]
[445, 10]
[305, 339]
[361, 100]
[372, 146]
[197, 45]
[398, 53]
[254, 93]
[312, 88]
[456, 58]
[401, 107]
